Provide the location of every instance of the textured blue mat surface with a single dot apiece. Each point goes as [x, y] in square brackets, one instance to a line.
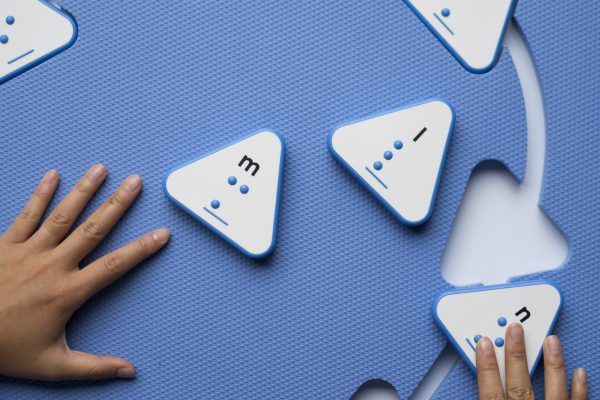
[346, 295]
[564, 43]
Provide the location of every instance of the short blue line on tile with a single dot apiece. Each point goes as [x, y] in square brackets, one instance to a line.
[21, 56]
[216, 216]
[471, 344]
[443, 23]
[376, 177]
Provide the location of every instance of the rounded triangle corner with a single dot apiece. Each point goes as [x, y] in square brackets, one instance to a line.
[330, 135]
[72, 22]
[479, 70]
[497, 51]
[451, 49]
[275, 132]
[165, 183]
[35, 62]
[450, 106]
[261, 255]
[421, 221]
[435, 304]
[330, 138]
[336, 155]
[495, 58]
[74, 36]
[74, 26]
[561, 297]
[168, 176]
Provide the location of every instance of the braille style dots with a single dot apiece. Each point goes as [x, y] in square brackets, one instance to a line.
[502, 321]
[232, 181]
[477, 338]
[388, 155]
[499, 342]
[215, 204]
[9, 21]
[445, 12]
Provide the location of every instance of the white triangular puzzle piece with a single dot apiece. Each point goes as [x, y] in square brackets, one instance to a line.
[472, 30]
[465, 315]
[235, 191]
[31, 31]
[399, 156]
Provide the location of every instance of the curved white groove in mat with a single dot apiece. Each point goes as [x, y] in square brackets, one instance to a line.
[499, 231]
[493, 179]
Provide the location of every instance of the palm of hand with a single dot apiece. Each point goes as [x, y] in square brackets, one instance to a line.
[41, 284]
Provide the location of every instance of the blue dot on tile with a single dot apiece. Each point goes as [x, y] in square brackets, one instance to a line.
[477, 338]
[388, 155]
[377, 165]
[502, 321]
[10, 20]
[445, 12]
[3, 39]
[499, 342]
[215, 204]
[398, 144]
[232, 180]
[244, 189]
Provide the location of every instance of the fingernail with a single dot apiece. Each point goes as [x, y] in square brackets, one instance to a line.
[515, 332]
[486, 346]
[126, 373]
[580, 374]
[161, 235]
[96, 172]
[132, 183]
[50, 177]
[553, 345]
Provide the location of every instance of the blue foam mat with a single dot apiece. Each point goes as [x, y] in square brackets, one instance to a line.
[562, 39]
[346, 295]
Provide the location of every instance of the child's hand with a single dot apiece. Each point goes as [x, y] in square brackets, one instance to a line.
[518, 385]
[41, 284]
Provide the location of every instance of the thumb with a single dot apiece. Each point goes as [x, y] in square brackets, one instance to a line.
[84, 366]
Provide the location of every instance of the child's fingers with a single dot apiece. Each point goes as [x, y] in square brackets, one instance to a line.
[579, 387]
[75, 365]
[57, 225]
[555, 378]
[105, 270]
[26, 223]
[518, 384]
[488, 374]
[89, 234]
